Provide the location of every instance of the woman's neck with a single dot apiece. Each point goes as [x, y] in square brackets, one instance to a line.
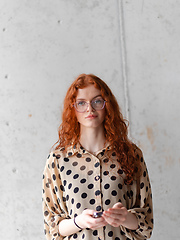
[92, 139]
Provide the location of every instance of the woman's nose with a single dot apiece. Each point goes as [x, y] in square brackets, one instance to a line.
[90, 108]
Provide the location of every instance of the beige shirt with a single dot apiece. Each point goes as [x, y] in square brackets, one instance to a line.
[75, 179]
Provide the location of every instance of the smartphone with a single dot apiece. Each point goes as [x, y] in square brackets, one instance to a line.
[97, 214]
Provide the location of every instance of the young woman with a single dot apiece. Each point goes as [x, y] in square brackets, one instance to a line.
[95, 182]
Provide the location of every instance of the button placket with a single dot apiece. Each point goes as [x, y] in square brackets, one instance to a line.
[97, 191]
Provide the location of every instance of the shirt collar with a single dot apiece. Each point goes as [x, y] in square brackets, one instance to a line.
[79, 149]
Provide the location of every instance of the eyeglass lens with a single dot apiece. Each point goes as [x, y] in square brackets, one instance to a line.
[96, 104]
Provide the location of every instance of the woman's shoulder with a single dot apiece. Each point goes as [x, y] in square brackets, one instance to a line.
[56, 154]
[137, 150]
[139, 156]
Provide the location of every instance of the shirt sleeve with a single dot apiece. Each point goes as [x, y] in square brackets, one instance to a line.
[54, 208]
[143, 208]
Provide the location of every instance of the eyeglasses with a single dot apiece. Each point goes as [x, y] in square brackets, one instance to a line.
[97, 104]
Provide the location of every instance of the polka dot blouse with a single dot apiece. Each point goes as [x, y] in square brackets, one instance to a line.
[75, 179]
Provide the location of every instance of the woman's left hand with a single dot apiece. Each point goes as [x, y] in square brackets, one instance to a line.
[119, 215]
[116, 215]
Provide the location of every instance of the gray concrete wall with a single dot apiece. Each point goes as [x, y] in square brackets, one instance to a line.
[133, 46]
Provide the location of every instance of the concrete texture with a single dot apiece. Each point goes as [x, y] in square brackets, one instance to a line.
[44, 45]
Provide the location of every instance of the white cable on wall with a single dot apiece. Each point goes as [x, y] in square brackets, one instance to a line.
[123, 57]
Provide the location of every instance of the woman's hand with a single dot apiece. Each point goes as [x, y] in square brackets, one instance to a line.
[119, 215]
[86, 220]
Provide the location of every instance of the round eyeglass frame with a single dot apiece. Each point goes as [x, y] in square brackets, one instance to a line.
[74, 105]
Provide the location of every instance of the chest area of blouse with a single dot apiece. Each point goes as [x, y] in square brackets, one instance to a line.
[87, 171]
[90, 166]
[99, 176]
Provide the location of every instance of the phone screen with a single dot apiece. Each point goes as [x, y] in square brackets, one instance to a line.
[97, 214]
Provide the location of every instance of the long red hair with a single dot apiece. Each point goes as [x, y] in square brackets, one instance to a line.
[115, 127]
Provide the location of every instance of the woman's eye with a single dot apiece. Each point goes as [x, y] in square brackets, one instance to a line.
[98, 101]
[81, 103]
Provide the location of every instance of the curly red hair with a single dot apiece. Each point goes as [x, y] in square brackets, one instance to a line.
[115, 127]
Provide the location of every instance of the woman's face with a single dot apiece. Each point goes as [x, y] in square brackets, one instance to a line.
[91, 118]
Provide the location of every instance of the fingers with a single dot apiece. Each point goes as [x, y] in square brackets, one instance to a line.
[116, 215]
[117, 205]
[121, 215]
[114, 220]
[88, 212]
[96, 223]
[116, 211]
[87, 220]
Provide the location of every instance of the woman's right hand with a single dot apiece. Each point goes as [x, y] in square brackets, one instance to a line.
[86, 220]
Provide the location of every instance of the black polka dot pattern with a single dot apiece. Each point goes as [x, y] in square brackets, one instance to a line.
[75, 180]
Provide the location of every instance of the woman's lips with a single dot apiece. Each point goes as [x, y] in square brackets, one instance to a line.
[91, 116]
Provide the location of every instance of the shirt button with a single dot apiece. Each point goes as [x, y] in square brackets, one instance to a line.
[97, 178]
